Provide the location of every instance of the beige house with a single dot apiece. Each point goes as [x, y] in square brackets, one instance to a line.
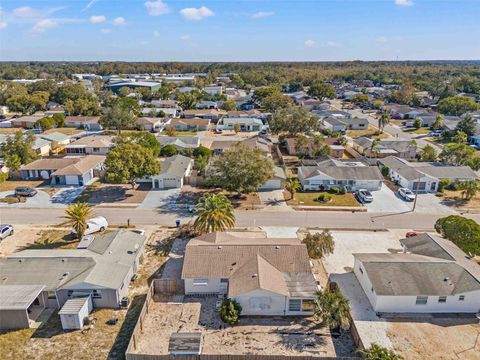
[190, 124]
[91, 145]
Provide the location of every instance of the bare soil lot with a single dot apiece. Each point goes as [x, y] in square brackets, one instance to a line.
[269, 336]
[97, 194]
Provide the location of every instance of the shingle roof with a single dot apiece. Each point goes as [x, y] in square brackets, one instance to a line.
[175, 165]
[80, 167]
[18, 297]
[82, 119]
[180, 141]
[341, 170]
[94, 141]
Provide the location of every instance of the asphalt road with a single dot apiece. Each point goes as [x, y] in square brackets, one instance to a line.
[320, 219]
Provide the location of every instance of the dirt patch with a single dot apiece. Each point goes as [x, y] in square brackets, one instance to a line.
[12, 184]
[54, 239]
[457, 200]
[436, 338]
[13, 199]
[66, 131]
[97, 194]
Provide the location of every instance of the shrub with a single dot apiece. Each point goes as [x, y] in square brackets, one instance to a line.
[463, 232]
[324, 197]
[3, 177]
[230, 311]
[343, 190]
[443, 184]
[335, 190]
[168, 150]
[385, 170]
[377, 352]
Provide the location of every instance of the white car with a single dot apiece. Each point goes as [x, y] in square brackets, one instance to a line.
[94, 225]
[5, 230]
[406, 194]
[364, 196]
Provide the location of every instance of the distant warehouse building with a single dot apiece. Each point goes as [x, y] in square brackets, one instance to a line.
[154, 86]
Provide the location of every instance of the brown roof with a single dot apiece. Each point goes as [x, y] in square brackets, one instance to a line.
[94, 141]
[249, 262]
[204, 112]
[235, 113]
[148, 120]
[82, 119]
[82, 166]
[49, 164]
[192, 121]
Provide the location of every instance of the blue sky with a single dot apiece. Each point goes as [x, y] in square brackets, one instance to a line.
[228, 30]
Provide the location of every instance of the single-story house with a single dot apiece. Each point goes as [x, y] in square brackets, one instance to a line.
[247, 113]
[76, 171]
[206, 105]
[41, 146]
[101, 271]
[423, 176]
[342, 124]
[245, 124]
[83, 122]
[431, 276]
[193, 124]
[401, 148]
[91, 145]
[277, 182]
[266, 276]
[56, 138]
[27, 122]
[173, 172]
[405, 112]
[213, 90]
[338, 114]
[180, 142]
[153, 124]
[213, 114]
[352, 174]
[152, 112]
[256, 142]
[336, 150]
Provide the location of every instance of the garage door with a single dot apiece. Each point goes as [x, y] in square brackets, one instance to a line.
[272, 185]
[420, 186]
[169, 183]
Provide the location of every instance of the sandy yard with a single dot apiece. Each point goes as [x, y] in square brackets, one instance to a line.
[267, 336]
[23, 236]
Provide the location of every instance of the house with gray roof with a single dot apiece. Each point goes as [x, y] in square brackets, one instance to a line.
[173, 172]
[423, 176]
[180, 142]
[432, 275]
[266, 276]
[405, 149]
[326, 173]
[102, 271]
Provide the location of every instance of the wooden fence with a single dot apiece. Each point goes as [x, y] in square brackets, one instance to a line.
[132, 345]
[164, 286]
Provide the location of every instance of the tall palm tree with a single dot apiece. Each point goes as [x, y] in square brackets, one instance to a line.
[332, 308]
[292, 185]
[383, 120]
[215, 213]
[77, 215]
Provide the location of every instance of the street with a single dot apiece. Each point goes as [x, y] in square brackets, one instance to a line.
[320, 219]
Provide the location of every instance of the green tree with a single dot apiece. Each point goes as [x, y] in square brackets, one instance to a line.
[417, 123]
[383, 120]
[241, 169]
[469, 188]
[463, 232]
[292, 185]
[13, 162]
[261, 93]
[168, 150]
[118, 117]
[127, 162]
[374, 148]
[377, 352]
[59, 119]
[460, 137]
[236, 127]
[457, 105]
[322, 90]
[293, 120]
[467, 125]
[319, 244]
[230, 311]
[214, 213]
[20, 146]
[26, 104]
[143, 138]
[46, 123]
[202, 151]
[428, 153]
[332, 308]
[456, 154]
[200, 163]
[360, 99]
[229, 105]
[439, 123]
[77, 215]
[276, 101]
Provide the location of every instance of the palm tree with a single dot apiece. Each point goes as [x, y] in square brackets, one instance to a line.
[319, 244]
[439, 123]
[215, 213]
[292, 185]
[332, 308]
[383, 120]
[469, 188]
[77, 215]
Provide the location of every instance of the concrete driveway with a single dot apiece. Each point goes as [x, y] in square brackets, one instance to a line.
[385, 200]
[429, 203]
[42, 200]
[273, 200]
[161, 199]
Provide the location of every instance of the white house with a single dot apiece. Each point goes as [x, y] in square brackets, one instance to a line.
[266, 276]
[173, 172]
[244, 123]
[277, 181]
[422, 176]
[91, 145]
[432, 276]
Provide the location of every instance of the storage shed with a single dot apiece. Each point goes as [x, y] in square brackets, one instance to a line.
[20, 305]
[74, 312]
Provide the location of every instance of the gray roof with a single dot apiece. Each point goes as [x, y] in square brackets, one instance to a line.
[341, 170]
[18, 297]
[397, 145]
[179, 141]
[175, 165]
[73, 306]
[279, 173]
[54, 136]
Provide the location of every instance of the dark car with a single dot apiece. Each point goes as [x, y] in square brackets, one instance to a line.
[25, 191]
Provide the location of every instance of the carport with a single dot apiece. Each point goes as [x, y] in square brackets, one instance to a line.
[20, 304]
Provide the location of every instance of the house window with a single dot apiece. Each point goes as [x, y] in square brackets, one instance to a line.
[51, 295]
[461, 297]
[294, 305]
[260, 303]
[308, 305]
[421, 300]
[200, 282]
[96, 149]
[442, 299]
[224, 280]
[96, 294]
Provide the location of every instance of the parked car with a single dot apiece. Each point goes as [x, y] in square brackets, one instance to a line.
[406, 194]
[5, 231]
[412, 234]
[25, 191]
[94, 225]
[436, 133]
[364, 196]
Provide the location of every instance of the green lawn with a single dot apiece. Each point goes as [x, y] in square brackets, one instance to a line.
[308, 199]
[420, 131]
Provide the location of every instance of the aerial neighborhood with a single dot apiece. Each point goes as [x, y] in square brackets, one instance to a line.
[166, 210]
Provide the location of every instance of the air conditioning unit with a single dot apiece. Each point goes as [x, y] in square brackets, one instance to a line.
[125, 302]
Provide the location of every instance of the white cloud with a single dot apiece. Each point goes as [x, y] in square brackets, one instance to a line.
[89, 5]
[262, 14]
[119, 21]
[404, 2]
[44, 24]
[156, 34]
[381, 40]
[196, 14]
[3, 24]
[185, 37]
[29, 12]
[97, 19]
[310, 43]
[105, 31]
[156, 8]
[332, 44]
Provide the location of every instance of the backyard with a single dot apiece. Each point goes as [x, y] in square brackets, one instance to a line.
[309, 199]
[370, 132]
